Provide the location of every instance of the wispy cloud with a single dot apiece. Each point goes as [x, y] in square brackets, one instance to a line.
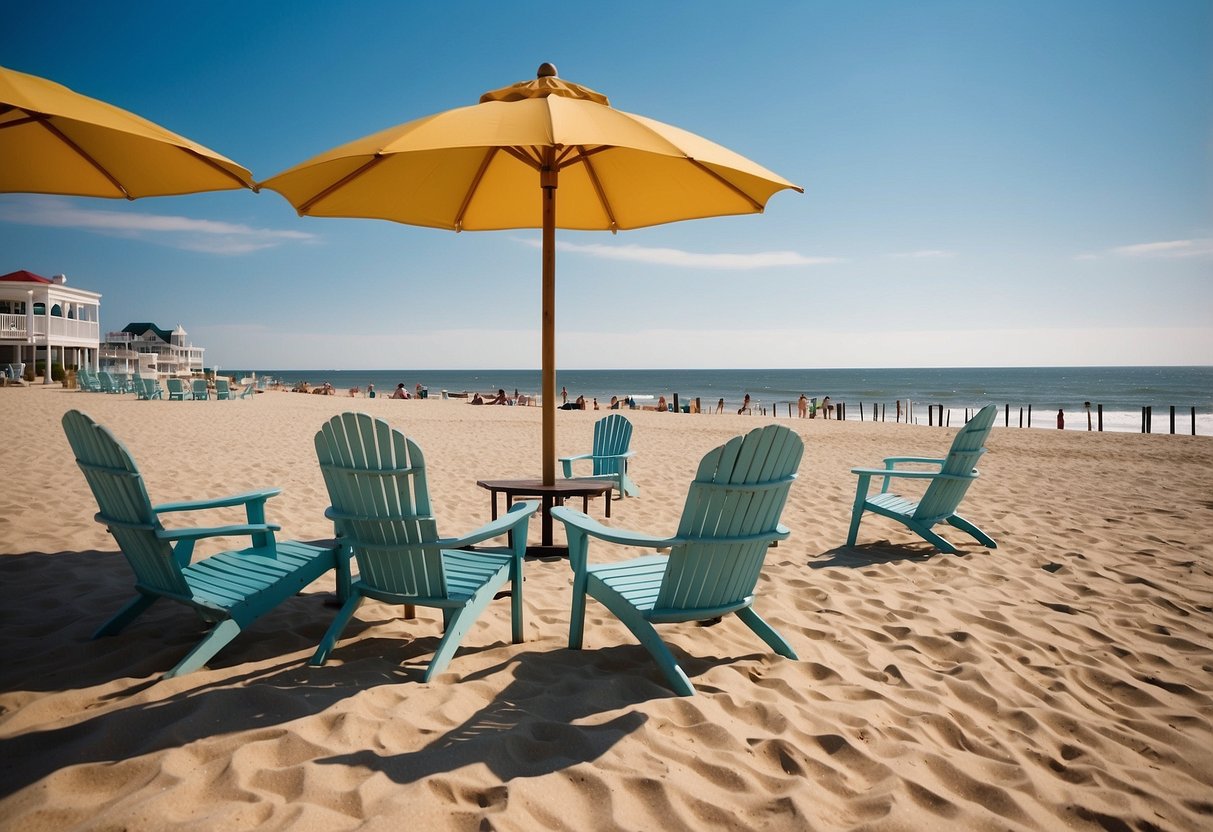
[1166, 249]
[208, 236]
[924, 254]
[691, 259]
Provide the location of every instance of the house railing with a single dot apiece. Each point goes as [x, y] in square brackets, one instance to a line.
[13, 327]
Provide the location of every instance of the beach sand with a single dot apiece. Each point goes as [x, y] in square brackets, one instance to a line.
[1064, 680]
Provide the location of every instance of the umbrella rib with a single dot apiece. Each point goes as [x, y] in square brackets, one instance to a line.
[602, 197]
[471, 191]
[349, 177]
[213, 164]
[522, 156]
[757, 205]
[57, 133]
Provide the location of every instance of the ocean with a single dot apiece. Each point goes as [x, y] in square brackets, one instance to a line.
[1122, 391]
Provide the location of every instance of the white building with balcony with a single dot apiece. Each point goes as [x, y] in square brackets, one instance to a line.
[44, 319]
[147, 349]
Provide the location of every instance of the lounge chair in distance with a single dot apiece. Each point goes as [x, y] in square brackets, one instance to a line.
[223, 390]
[730, 518]
[380, 509]
[198, 388]
[948, 484]
[231, 589]
[610, 454]
[177, 391]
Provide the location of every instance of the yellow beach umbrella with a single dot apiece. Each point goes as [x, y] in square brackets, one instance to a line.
[500, 163]
[56, 141]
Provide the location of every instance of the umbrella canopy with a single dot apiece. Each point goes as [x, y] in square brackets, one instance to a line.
[56, 141]
[499, 164]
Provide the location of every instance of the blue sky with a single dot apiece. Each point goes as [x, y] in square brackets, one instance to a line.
[986, 184]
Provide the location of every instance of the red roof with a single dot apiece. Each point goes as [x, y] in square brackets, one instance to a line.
[22, 276]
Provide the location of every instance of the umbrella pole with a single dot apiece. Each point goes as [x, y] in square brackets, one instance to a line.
[547, 182]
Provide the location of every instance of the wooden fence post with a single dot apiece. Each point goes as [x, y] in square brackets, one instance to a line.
[1099, 407]
[1172, 420]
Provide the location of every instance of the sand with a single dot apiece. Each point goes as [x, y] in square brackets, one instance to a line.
[1064, 680]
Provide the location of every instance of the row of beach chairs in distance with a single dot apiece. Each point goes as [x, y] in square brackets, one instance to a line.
[380, 508]
[150, 388]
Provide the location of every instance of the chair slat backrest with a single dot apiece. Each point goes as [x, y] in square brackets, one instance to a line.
[944, 495]
[732, 513]
[199, 389]
[118, 486]
[612, 435]
[377, 486]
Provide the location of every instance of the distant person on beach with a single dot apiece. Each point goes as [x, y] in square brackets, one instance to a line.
[614, 402]
[581, 402]
[802, 405]
[595, 402]
[720, 406]
[827, 408]
[500, 398]
[370, 391]
[745, 405]
[477, 399]
[661, 405]
[564, 395]
[1061, 419]
[400, 392]
[418, 389]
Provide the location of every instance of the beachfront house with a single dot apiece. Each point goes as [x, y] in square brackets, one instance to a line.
[147, 349]
[42, 318]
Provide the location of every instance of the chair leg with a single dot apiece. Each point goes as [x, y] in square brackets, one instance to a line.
[934, 539]
[334, 631]
[204, 651]
[126, 615]
[650, 640]
[965, 526]
[458, 622]
[766, 632]
[861, 496]
[578, 546]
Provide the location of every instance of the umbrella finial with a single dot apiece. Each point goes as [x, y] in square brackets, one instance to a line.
[546, 70]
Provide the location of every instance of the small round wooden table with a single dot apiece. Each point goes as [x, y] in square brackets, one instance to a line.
[549, 495]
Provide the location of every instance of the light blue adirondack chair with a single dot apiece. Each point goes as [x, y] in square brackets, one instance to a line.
[610, 454]
[730, 518]
[177, 391]
[231, 589]
[949, 482]
[198, 388]
[223, 390]
[381, 511]
[87, 381]
[148, 388]
[107, 382]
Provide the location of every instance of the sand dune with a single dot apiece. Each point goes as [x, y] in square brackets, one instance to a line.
[1064, 680]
